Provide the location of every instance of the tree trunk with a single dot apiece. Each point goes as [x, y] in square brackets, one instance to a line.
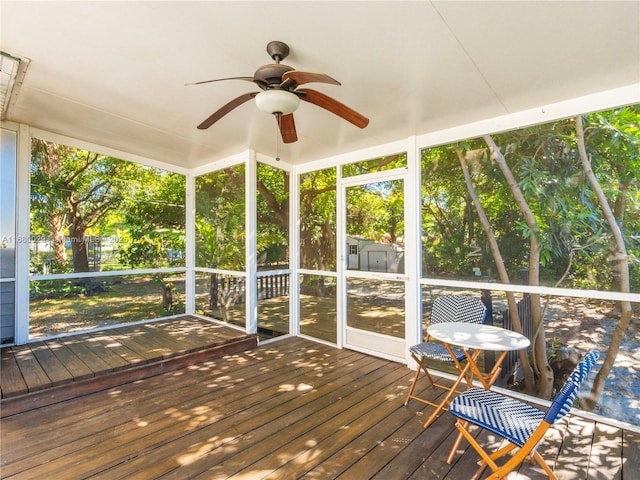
[529, 383]
[56, 229]
[51, 155]
[539, 344]
[78, 249]
[621, 266]
[619, 208]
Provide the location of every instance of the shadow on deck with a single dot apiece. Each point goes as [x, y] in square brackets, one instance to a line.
[289, 409]
[50, 371]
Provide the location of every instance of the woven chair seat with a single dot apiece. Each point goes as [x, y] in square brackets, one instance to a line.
[522, 425]
[507, 417]
[436, 351]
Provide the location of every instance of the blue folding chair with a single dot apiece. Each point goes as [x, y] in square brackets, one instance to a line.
[522, 425]
[447, 308]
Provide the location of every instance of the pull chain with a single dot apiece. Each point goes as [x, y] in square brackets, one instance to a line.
[279, 119]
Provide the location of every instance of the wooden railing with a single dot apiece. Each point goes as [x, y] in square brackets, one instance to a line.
[229, 290]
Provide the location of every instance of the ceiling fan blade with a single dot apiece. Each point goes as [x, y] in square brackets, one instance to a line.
[236, 102]
[334, 106]
[296, 77]
[260, 83]
[287, 128]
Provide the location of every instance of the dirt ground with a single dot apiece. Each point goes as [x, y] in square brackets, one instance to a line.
[582, 325]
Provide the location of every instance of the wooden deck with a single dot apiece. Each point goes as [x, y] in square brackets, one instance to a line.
[285, 410]
[41, 373]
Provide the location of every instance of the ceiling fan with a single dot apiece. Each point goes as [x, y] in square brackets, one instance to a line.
[281, 96]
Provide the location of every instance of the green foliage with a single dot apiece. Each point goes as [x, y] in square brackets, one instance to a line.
[75, 193]
[272, 235]
[376, 209]
[220, 219]
[81, 191]
[56, 289]
[43, 262]
[318, 220]
[569, 223]
[153, 221]
[454, 243]
[375, 165]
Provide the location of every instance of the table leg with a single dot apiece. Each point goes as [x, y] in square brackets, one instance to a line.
[459, 367]
[448, 396]
[488, 379]
[497, 368]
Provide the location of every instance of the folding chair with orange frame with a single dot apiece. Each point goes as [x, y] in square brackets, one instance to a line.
[520, 424]
[447, 308]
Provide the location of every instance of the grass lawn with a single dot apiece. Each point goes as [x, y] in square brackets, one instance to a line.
[121, 300]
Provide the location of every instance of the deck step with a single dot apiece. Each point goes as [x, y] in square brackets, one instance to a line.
[103, 380]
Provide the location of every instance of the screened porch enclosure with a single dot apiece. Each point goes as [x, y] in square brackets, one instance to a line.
[193, 285]
[352, 254]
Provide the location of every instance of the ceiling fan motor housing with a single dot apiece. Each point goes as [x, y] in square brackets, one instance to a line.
[272, 74]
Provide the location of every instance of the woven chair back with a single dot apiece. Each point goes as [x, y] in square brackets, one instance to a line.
[458, 308]
[564, 399]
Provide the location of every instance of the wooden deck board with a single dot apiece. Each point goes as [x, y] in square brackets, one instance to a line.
[630, 455]
[247, 412]
[74, 364]
[409, 447]
[283, 407]
[191, 336]
[11, 379]
[108, 357]
[120, 356]
[74, 358]
[118, 342]
[130, 402]
[308, 432]
[45, 372]
[55, 369]
[337, 462]
[577, 444]
[87, 353]
[288, 409]
[33, 373]
[99, 358]
[606, 452]
[160, 425]
[172, 343]
[142, 342]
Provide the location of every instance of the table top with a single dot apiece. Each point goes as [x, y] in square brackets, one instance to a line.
[478, 336]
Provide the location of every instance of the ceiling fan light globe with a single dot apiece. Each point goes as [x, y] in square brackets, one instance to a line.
[277, 101]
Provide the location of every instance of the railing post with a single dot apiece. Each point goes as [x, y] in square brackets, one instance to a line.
[213, 289]
[489, 355]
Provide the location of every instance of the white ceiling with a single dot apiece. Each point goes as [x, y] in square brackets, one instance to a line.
[113, 73]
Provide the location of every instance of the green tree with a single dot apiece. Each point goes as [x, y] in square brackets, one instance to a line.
[49, 216]
[73, 190]
[615, 145]
[153, 219]
[220, 219]
[272, 215]
[537, 210]
[318, 220]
